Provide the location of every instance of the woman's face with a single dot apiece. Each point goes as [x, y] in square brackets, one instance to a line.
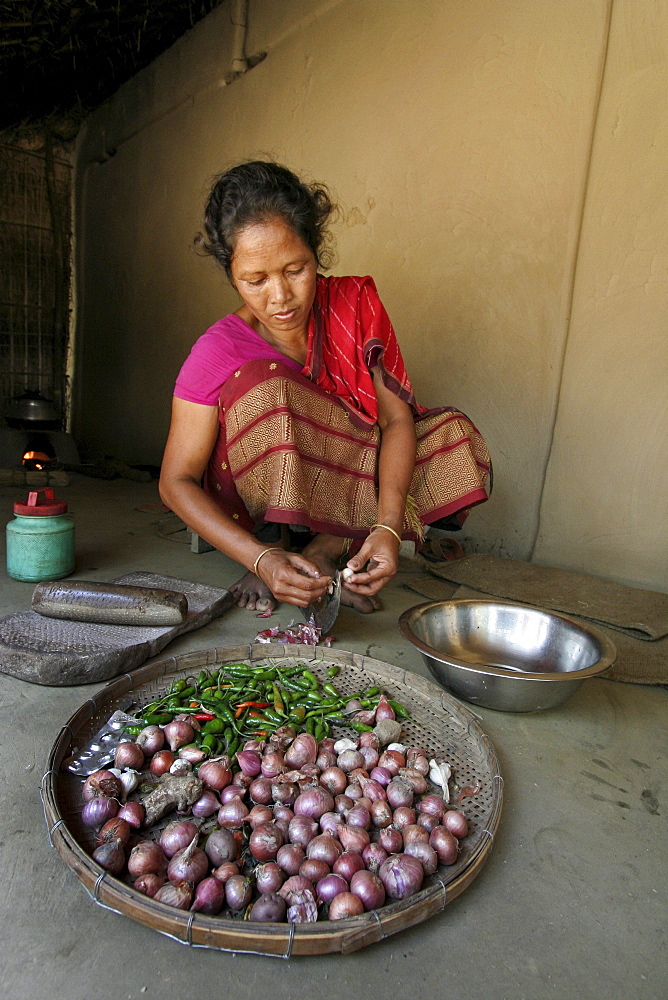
[274, 272]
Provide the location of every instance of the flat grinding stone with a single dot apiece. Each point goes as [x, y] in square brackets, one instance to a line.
[60, 653]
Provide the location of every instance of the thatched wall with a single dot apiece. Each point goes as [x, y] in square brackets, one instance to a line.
[35, 193]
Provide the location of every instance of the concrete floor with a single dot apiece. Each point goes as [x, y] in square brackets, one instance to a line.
[571, 903]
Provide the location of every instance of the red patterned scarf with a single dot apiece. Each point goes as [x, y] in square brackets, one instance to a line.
[350, 334]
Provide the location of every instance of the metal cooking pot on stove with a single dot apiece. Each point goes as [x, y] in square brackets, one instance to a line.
[31, 409]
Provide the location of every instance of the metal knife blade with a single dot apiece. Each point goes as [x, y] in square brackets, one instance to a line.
[324, 613]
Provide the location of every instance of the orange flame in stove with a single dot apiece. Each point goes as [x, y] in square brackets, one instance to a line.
[38, 459]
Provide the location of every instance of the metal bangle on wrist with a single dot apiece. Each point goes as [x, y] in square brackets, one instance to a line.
[387, 528]
[272, 548]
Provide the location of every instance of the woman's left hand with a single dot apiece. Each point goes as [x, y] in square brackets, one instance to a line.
[380, 555]
[377, 561]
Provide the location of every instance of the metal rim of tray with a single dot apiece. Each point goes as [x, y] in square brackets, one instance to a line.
[606, 660]
[439, 722]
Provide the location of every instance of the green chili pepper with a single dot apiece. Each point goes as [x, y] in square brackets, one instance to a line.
[209, 742]
[153, 706]
[333, 671]
[178, 686]
[237, 670]
[269, 713]
[251, 723]
[309, 725]
[211, 704]
[301, 683]
[225, 714]
[399, 709]
[266, 675]
[132, 730]
[214, 726]
[371, 691]
[331, 690]
[158, 718]
[292, 684]
[360, 727]
[311, 678]
[278, 700]
[321, 731]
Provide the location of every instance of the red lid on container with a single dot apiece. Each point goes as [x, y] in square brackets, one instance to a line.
[47, 507]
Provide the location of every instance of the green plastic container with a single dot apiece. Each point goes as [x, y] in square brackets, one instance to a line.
[40, 539]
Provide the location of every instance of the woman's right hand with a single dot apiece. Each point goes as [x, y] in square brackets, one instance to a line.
[291, 578]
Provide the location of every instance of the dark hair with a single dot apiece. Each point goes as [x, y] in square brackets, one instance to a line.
[255, 191]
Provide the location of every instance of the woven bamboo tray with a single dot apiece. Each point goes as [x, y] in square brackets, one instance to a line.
[438, 723]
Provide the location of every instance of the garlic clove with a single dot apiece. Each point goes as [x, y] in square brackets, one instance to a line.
[397, 746]
[181, 766]
[346, 573]
[130, 780]
[344, 744]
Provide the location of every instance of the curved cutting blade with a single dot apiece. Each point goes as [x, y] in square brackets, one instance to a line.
[324, 613]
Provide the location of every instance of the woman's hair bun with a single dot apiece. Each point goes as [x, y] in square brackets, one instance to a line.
[256, 191]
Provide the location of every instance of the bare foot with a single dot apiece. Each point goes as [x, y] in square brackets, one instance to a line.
[364, 603]
[323, 551]
[253, 594]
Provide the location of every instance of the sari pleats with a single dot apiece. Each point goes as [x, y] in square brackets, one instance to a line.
[288, 452]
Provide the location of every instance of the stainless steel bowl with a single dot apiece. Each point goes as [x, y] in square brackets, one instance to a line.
[510, 657]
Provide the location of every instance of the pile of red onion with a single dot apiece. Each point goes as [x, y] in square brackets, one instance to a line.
[301, 831]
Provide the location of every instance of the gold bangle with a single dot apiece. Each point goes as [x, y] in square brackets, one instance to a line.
[272, 548]
[388, 528]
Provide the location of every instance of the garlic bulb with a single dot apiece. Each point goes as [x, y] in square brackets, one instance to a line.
[440, 773]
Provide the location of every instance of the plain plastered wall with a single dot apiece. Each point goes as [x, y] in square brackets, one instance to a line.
[605, 505]
[464, 142]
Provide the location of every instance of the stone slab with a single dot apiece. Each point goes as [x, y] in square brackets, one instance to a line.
[59, 653]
